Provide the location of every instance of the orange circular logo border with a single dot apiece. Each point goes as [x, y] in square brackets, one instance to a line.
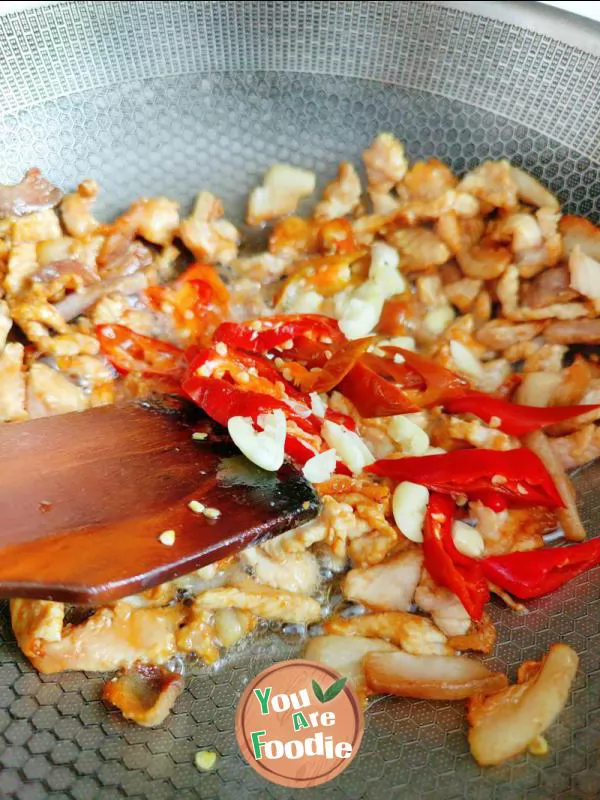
[351, 709]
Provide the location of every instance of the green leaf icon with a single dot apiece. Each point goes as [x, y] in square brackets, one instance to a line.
[329, 694]
[318, 692]
[335, 688]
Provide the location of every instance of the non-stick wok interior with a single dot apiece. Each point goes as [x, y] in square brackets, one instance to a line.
[171, 98]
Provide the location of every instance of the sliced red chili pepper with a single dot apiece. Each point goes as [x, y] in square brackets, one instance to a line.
[381, 387]
[514, 419]
[398, 373]
[536, 572]
[295, 234]
[337, 236]
[334, 236]
[399, 315]
[260, 375]
[128, 351]
[214, 382]
[492, 499]
[310, 351]
[197, 299]
[446, 565]
[208, 275]
[222, 400]
[302, 335]
[297, 450]
[517, 475]
[340, 419]
[372, 394]
[235, 362]
[336, 369]
[441, 383]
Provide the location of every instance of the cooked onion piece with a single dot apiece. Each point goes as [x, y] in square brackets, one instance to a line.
[504, 724]
[345, 654]
[430, 677]
[568, 517]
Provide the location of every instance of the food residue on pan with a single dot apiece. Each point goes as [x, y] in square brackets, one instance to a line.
[205, 760]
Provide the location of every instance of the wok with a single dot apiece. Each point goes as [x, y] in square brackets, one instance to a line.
[167, 98]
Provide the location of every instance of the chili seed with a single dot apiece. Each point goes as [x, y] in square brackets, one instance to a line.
[167, 538]
[212, 513]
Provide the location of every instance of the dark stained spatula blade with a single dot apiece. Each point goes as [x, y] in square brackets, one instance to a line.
[85, 496]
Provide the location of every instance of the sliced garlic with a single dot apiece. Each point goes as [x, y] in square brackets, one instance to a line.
[465, 362]
[349, 447]
[438, 319]
[467, 539]
[304, 303]
[317, 406]
[405, 342]
[264, 448]
[339, 301]
[409, 504]
[321, 467]
[420, 418]
[361, 312]
[384, 269]
[412, 439]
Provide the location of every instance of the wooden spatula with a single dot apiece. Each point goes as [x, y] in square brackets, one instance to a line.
[84, 498]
